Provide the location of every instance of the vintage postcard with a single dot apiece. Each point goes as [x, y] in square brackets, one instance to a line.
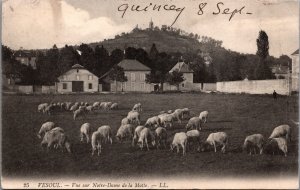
[150, 94]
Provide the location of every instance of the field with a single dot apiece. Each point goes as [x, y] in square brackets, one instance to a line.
[237, 115]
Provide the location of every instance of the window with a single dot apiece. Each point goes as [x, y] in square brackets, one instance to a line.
[77, 77]
[142, 77]
[132, 76]
[90, 77]
[90, 86]
[65, 85]
[142, 86]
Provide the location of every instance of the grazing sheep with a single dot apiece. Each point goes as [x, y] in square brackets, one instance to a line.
[42, 107]
[45, 127]
[78, 113]
[194, 123]
[252, 142]
[114, 106]
[185, 113]
[89, 109]
[125, 131]
[178, 114]
[193, 136]
[85, 131]
[96, 105]
[106, 105]
[137, 107]
[134, 117]
[215, 138]
[153, 121]
[276, 144]
[169, 111]
[180, 139]
[57, 139]
[124, 121]
[203, 116]
[106, 132]
[97, 140]
[137, 133]
[146, 136]
[282, 131]
[74, 108]
[58, 129]
[68, 105]
[49, 109]
[161, 136]
[167, 120]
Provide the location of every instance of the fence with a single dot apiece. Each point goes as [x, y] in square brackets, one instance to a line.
[281, 86]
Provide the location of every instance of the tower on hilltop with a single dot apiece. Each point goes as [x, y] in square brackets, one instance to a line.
[151, 25]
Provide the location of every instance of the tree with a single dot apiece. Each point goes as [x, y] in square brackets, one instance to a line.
[153, 52]
[156, 77]
[87, 57]
[116, 56]
[117, 74]
[130, 53]
[103, 63]
[175, 78]
[263, 71]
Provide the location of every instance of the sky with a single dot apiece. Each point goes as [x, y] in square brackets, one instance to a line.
[39, 24]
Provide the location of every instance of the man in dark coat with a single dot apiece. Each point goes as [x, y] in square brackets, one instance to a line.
[275, 95]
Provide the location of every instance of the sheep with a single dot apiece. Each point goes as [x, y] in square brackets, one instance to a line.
[49, 109]
[178, 114]
[85, 131]
[96, 105]
[180, 139]
[146, 136]
[106, 132]
[277, 143]
[134, 117]
[78, 113]
[68, 105]
[137, 107]
[58, 129]
[97, 140]
[216, 138]
[106, 105]
[185, 112]
[282, 131]
[57, 139]
[166, 120]
[114, 106]
[74, 107]
[125, 121]
[45, 127]
[89, 109]
[161, 136]
[42, 107]
[193, 136]
[162, 112]
[203, 116]
[193, 123]
[125, 131]
[153, 121]
[137, 133]
[169, 111]
[252, 142]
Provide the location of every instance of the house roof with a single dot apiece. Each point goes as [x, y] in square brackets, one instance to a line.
[280, 69]
[77, 66]
[133, 65]
[23, 53]
[182, 67]
[296, 52]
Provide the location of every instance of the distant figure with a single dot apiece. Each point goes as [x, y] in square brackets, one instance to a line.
[275, 95]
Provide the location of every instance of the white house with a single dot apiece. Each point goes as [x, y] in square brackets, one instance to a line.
[295, 71]
[187, 73]
[77, 79]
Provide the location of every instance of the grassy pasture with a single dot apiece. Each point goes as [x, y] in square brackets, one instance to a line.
[237, 115]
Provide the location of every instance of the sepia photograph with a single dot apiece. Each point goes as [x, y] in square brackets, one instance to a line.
[150, 94]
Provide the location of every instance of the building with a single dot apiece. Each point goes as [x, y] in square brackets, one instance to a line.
[188, 74]
[77, 79]
[26, 58]
[280, 72]
[295, 71]
[136, 78]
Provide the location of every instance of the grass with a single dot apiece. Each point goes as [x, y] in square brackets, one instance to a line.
[237, 115]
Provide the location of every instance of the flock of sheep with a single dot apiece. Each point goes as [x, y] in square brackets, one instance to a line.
[154, 132]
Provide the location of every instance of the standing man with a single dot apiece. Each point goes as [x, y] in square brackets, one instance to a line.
[275, 95]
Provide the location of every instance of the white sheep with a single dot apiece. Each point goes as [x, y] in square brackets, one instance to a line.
[68, 105]
[180, 139]
[194, 123]
[178, 114]
[252, 142]
[57, 139]
[185, 113]
[114, 106]
[137, 133]
[89, 109]
[125, 121]
[42, 107]
[97, 140]
[96, 105]
[161, 136]
[134, 117]
[170, 111]
[137, 107]
[203, 116]
[106, 132]
[45, 127]
[146, 136]
[49, 109]
[167, 120]
[193, 136]
[78, 113]
[282, 131]
[153, 121]
[74, 108]
[125, 131]
[85, 131]
[277, 143]
[214, 139]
